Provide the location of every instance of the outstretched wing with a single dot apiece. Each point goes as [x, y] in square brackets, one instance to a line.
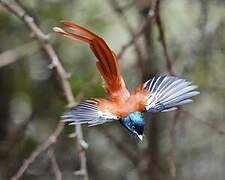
[107, 62]
[168, 92]
[87, 112]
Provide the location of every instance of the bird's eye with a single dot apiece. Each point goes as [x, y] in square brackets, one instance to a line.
[133, 127]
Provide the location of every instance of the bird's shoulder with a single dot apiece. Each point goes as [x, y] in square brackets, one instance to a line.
[120, 107]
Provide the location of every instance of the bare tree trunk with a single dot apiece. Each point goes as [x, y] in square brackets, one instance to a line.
[149, 162]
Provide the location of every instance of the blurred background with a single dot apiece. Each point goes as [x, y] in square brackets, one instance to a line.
[186, 37]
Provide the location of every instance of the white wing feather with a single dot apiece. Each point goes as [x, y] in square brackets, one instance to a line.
[168, 92]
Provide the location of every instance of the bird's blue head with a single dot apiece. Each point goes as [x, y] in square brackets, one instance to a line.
[134, 122]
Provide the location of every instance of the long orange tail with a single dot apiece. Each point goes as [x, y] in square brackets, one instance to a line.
[107, 62]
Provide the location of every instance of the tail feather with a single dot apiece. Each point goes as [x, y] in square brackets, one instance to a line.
[107, 61]
[99, 47]
[72, 35]
[168, 92]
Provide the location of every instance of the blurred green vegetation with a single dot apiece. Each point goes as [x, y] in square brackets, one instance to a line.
[32, 100]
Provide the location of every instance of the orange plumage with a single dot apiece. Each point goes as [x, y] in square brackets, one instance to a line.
[159, 94]
[120, 101]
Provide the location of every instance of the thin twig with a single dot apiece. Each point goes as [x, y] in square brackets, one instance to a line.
[82, 146]
[55, 166]
[172, 154]
[200, 121]
[130, 154]
[162, 38]
[102, 16]
[147, 23]
[121, 14]
[41, 148]
[28, 20]
[45, 43]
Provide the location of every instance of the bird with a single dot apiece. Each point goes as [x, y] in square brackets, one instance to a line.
[161, 93]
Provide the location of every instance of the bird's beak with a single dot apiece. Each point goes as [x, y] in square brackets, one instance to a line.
[140, 137]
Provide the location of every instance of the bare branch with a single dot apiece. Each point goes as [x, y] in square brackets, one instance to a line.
[162, 38]
[200, 121]
[20, 12]
[120, 11]
[50, 141]
[55, 166]
[172, 154]
[81, 147]
[12, 55]
[45, 43]
[147, 23]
